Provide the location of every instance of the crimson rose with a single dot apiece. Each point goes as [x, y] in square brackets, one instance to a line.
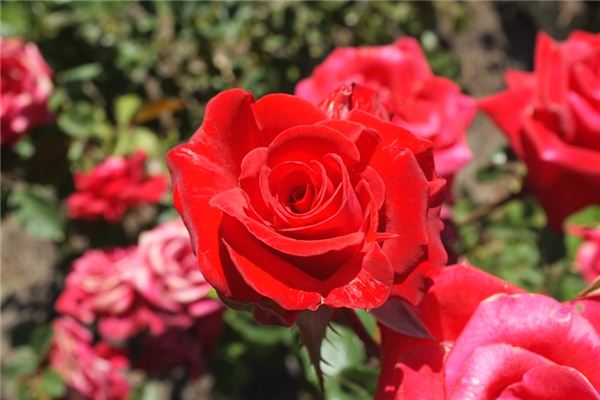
[552, 119]
[290, 210]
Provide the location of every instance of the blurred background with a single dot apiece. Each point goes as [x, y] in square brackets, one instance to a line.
[137, 75]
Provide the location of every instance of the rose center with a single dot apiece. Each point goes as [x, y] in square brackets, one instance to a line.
[300, 199]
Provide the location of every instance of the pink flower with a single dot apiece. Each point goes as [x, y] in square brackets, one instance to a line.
[427, 105]
[491, 341]
[551, 117]
[25, 87]
[588, 255]
[167, 274]
[100, 289]
[90, 371]
[153, 286]
[113, 186]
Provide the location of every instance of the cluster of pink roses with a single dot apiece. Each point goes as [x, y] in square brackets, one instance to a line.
[155, 287]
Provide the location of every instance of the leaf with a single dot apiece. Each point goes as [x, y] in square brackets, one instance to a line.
[25, 362]
[84, 72]
[38, 213]
[252, 332]
[396, 315]
[41, 339]
[51, 384]
[588, 216]
[313, 327]
[126, 107]
[347, 376]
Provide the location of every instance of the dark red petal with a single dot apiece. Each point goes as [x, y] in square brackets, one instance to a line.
[370, 288]
[196, 179]
[277, 112]
[395, 138]
[234, 203]
[405, 211]
[311, 142]
[228, 131]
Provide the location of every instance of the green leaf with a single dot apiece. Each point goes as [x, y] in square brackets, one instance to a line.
[51, 384]
[126, 107]
[38, 213]
[41, 339]
[25, 362]
[85, 72]
[347, 377]
[244, 324]
[587, 216]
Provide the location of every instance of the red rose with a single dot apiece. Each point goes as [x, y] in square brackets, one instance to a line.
[25, 87]
[430, 106]
[112, 187]
[290, 210]
[493, 342]
[552, 119]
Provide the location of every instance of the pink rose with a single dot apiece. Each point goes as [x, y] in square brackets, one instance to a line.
[588, 255]
[491, 341]
[25, 87]
[167, 275]
[113, 186]
[100, 289]
[427, 105]
[552, 120]
[90, 371]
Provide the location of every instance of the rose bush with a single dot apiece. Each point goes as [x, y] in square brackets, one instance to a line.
[492, 341]
[113, 186]
[552, 120]
[25, 86]
[91, 371]
[430, 106]
[289, 210]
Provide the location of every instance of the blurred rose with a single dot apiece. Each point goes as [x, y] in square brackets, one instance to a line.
[493, 342]
[168, 277]
[430, 106]
[100, 289]
[588, 255]
[113, 186]
[552, 119]
[90, 371]
[25, 87]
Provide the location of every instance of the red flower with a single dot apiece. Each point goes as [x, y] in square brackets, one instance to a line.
[90, 371]
[552, 119]
[430, 106]
[112, 187]
[25, 87]
[491, 341]
[290, 210]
